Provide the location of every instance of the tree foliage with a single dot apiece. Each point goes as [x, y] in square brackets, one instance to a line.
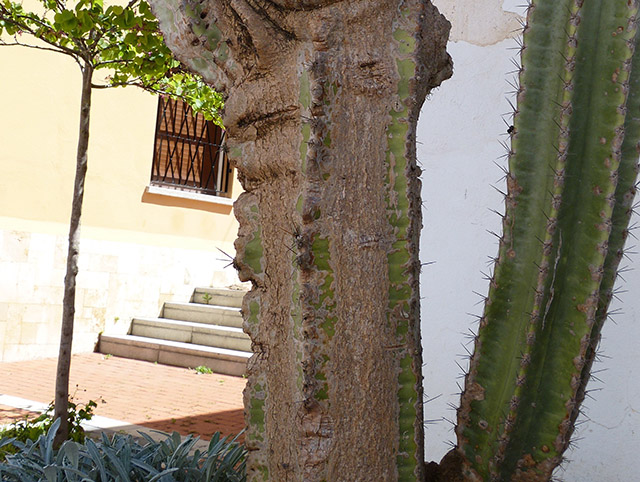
[124, 41]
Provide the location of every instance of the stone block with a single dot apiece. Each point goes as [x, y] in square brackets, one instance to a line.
[3, 330]
[9, 280]
[26, 277]
[12, 333]
[93, 280]
[48, 295]
[95, 298]
[15, 313]
[57, 276]
[42, 248]
[44, 272]
[84, 342]
[15, 246]
[60, 253]
[128, 261]
[37, 313]
[103, 263]
[17, 352]
[29, 333]
[151, 291]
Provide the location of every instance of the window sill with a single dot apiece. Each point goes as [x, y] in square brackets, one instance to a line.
[163, 196]
[193, 196]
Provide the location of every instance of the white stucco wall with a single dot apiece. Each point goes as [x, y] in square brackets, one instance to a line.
[459, 135]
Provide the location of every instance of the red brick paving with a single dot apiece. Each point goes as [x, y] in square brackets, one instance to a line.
[11, 414]
[141, 393]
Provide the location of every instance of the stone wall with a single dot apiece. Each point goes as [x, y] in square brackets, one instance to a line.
[117, 280]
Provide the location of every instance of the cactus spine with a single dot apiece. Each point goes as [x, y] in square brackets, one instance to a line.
[572, 169]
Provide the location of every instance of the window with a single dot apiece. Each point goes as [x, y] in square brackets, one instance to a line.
[189, 152]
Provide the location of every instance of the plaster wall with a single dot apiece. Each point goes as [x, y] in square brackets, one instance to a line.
[459, 138]
[38, 139]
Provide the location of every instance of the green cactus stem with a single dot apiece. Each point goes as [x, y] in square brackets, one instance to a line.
[624, 199]
[558, 253]
[405, 218]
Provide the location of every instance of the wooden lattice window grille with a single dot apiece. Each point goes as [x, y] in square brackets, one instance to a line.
[189, 152]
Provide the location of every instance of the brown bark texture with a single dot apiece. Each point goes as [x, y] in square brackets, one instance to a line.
[68, 302]
[321, 109]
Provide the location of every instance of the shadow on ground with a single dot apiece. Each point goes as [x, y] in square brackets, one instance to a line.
[230, 422]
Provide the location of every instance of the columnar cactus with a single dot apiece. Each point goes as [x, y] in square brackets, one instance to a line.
[323, 100]
[572, 169]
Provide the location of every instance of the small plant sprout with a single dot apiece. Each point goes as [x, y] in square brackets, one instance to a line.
[203, 370]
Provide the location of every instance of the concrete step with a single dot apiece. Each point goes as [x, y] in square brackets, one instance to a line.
[212, 335]
[199, 313]
[188, 355]
[218, 297]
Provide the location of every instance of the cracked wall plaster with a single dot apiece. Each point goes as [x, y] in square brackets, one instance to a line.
[482, 22]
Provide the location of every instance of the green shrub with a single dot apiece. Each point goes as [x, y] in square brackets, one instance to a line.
[32, 429]
[125, 459]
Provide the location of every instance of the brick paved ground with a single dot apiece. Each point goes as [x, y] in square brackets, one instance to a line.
[141, 393]
[11, 414]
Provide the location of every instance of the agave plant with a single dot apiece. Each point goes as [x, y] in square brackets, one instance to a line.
[124, 458]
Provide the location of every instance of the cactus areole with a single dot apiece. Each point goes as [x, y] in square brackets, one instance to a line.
[322, 99]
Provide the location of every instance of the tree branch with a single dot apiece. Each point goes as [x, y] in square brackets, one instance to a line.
[75, 56]
[149, 87]
[109, 86]
[28, 29]
[32, 19]
[103, 63]
[135, 82]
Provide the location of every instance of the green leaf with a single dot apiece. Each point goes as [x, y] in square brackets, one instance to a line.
[128, 18]
[81, 4]
[115, 10]
[131, 38]
[66, 20]
[86, 21]
[51, 473]
[71, 451]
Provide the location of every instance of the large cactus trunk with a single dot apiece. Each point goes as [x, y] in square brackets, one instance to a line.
[323, 99]
[572, 169]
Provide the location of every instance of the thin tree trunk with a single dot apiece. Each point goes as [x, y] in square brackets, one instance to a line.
[68, 304]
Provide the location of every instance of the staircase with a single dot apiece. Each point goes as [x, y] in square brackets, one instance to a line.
[207, 331]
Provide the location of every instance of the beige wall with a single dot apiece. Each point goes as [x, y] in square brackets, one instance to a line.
[38, 135]
[137, 250]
